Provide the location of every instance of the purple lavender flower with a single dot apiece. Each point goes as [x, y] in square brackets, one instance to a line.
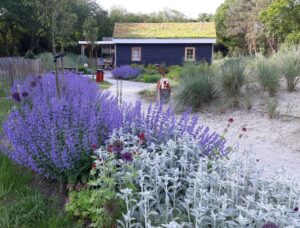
[126, 72]
[127, 157]
[16, 96]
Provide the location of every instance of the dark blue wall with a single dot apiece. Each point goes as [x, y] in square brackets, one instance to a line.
[170, 54]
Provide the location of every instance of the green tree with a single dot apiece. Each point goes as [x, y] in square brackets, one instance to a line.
[282, 20]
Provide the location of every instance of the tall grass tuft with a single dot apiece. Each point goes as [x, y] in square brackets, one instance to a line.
[289, 62]
[196, 86]
[268, 75]
[232, 77]
[272, 105]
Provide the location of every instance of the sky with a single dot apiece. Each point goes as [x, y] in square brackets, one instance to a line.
[191, 8]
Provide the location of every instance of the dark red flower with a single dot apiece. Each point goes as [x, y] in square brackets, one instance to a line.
[24, 94]
[230, 120]
[257, 160]
[244, 129]
[110, 148]
[94, 166]
[142, 136]
[296, 209]
[94, 146]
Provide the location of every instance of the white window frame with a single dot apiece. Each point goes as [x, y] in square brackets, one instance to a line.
[186, 52]
[133, 58]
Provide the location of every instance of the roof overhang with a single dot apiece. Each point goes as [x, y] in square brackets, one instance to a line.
[97, 42]
[165, 41]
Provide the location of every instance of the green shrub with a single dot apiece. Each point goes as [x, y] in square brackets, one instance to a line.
[174, 72]
[151, 69]
[196, 86]
[289, 62]
[232, 77]
[138, 66]
[149, 78]
[268, 75]
[100, 205]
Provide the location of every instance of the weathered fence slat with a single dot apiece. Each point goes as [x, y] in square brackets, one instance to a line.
[17, 68]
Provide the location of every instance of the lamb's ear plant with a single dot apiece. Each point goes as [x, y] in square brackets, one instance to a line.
[180, 186]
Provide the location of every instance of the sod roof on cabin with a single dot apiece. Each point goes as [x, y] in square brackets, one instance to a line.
[164, 30]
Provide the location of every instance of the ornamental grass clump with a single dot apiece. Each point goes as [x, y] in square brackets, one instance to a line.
[232, 78]
[51, 136]
[268, 74]
[196, 86]
[289, 62]
[126, 72]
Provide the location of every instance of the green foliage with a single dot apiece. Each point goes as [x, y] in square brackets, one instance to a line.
[268, 74]
[149, 93]
[196, 87]
[151, 69]
[149, 78]
[232, 77]
[281, 18]
[174, 72]
[289, 62]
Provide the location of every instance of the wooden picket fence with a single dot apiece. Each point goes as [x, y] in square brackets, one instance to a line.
[17, 69]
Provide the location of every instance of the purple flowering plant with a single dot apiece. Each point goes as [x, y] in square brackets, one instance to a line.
[126, 72]
[51, 136]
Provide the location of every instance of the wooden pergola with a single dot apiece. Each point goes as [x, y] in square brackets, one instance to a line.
[107, 50]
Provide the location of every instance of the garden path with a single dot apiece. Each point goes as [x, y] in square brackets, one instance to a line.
[130, 89]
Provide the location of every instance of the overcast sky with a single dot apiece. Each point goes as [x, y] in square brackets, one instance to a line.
[191, 8]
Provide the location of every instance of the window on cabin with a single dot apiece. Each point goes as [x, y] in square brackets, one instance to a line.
[136, 54]
[189, 54]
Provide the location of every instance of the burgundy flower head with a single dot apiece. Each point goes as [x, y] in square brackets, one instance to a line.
[244, 129]
[94, 166]
[127, 157]
[94, 146]
[118, 146]
[142, 136]
[16, 96]
[230, 120]
[110, 148]
[296, 209]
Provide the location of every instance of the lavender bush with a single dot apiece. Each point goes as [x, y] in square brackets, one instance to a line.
[49, 135]
[178, 188]
[159, 126]
[126, 72]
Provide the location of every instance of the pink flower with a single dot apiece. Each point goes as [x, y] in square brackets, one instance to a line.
[230, 120]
